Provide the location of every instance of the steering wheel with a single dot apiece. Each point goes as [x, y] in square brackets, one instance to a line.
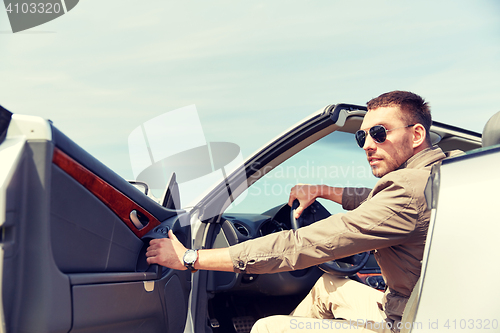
[344, 266]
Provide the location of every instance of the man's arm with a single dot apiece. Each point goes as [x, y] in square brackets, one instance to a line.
[169, 252]
[387, 219]
[306, 194]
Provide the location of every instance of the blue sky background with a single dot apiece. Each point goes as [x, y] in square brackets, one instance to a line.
[252, 68]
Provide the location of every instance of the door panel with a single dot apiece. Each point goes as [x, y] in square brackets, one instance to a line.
[96, 310]
[73, 259]
[116, 201]
[86, 235]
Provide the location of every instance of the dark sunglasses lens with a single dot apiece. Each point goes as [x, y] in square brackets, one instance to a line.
[378, 133]
[360, 138]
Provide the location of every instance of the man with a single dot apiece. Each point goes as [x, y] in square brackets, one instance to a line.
[391, 219]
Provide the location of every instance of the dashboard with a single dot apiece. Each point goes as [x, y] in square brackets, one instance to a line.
[237, 228]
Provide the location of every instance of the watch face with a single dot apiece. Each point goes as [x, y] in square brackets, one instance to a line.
[190, 256]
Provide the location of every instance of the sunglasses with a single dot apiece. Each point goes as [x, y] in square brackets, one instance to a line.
[377, 132]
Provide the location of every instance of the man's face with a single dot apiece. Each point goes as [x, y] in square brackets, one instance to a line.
[396, 149]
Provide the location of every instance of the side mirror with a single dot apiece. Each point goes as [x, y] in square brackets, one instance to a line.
[171, 197]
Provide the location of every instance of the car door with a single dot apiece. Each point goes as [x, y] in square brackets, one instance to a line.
[74, 236]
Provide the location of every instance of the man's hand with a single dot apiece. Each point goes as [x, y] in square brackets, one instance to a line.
[306, 194]
[168, 252]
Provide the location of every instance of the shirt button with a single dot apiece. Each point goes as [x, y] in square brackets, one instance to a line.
[241, 264]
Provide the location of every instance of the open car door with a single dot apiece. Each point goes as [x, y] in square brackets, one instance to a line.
[74, 236]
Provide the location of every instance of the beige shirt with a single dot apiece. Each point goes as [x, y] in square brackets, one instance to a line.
[393, 220]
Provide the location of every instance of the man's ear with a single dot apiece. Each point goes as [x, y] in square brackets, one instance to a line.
[419, 136]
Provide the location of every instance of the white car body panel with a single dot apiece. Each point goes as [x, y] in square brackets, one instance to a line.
[458, 287]
[29, 127]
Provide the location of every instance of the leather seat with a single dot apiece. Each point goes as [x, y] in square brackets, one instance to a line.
[491, 131]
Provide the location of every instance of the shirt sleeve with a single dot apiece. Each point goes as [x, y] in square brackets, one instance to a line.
[384, 220]
[352, 197]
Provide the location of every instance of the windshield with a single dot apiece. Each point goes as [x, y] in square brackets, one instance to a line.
[335, 160]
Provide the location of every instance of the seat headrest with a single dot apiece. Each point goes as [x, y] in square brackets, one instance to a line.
[491, 131]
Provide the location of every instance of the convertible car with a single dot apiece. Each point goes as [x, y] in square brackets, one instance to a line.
[74, 233]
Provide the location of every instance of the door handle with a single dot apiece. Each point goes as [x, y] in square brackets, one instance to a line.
[138, 219]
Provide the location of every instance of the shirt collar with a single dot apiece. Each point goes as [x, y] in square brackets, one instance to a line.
[424, 158]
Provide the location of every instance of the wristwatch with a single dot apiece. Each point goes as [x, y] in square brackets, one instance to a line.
[190, 257]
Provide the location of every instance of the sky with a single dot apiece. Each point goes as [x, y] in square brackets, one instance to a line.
[251, 68]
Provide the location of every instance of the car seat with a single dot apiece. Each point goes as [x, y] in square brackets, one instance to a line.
[491, 131]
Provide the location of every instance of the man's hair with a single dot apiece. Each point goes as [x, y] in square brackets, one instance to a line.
[415, 110]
